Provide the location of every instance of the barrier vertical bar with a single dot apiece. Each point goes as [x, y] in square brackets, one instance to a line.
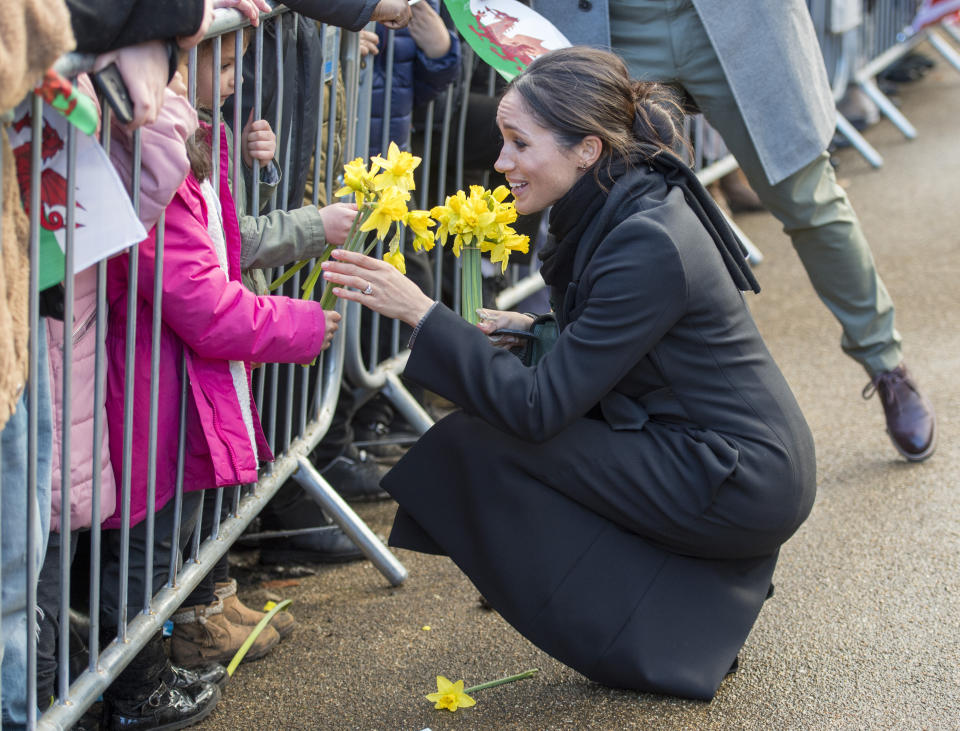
[441, 181]
[215, 128]
[217, 508]
[295, 284]
[238, 109]
[129, 380]
[255, 193]
[63, 644]
[428, 150]
[278, 120]
[99, 402]
[32, 394]
[154, 408]
[178, 492]
[99, 399]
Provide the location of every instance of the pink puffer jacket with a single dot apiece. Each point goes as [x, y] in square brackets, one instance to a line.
[164, 166]
[209, 318]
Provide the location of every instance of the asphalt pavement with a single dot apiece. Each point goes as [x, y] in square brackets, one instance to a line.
[864, 629]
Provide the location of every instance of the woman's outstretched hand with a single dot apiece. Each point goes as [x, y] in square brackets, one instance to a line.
[377, 285]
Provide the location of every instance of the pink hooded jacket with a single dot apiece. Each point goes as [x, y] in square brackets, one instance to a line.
[164, 165]
[210, 318]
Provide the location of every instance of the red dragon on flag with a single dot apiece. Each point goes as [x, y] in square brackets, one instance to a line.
[53, 186]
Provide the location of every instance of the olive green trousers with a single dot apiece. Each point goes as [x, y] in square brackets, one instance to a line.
[664, 40]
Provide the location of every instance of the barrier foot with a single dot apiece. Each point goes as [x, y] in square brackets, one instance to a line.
[888, 108]
[342, 514]
[944, 48]
[858, 141]
[754, 255]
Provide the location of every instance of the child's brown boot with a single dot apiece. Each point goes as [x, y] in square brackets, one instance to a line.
[202, 635]
[239, 613]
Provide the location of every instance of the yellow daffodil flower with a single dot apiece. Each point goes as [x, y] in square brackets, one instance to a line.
[420, 223]
[443, 215]
[500, 193]
[396, 260]
[450, 695]
[391, 208]
[397, 168]
[500, 250]
[357, 179]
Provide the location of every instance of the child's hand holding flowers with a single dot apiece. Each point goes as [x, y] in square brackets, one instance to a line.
[337, 220]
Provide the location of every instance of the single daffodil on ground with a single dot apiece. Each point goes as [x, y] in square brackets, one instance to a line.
[450, 695]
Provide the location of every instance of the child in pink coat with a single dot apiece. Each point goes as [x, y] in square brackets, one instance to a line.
[215, 327]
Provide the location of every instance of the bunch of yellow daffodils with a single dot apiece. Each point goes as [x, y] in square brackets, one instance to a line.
[479, 222]
[381, 191]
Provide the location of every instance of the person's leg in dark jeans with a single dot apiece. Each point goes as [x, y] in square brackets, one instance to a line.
[212, 623]
[150, 692]
[48, 620]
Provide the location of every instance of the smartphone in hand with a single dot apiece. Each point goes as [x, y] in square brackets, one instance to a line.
[110, 83]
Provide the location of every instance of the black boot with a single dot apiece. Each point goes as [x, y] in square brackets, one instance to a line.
[355, 476]
[303, 532]
[165, 708]
[187, 678]
[140, 697]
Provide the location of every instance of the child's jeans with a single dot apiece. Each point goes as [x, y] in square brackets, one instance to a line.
[15, 511]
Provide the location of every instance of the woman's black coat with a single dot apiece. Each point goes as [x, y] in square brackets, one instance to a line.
[622, 503]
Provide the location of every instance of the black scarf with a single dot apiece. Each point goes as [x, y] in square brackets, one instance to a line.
[571, 215]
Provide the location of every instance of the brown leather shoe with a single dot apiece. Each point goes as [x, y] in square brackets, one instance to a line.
[239, 613]
[911, 423]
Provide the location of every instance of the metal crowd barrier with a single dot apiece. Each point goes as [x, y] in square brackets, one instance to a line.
[861, 38]
[855, 53]
[306, 423]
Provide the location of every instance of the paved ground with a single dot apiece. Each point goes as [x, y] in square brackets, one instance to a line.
[864, 630]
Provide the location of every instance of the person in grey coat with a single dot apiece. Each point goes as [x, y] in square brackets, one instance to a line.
[756, 72]
[622, 501]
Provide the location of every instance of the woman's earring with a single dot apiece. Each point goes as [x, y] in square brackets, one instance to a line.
[582, 166]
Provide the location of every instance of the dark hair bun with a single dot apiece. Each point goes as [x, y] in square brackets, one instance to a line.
[657, 114]
[629, 117]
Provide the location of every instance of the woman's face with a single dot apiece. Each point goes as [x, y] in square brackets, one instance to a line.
[538, 169]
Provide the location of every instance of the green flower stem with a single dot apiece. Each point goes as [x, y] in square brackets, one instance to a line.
[280, 281]
[354, 241]
[251, 638]
[311, 281]
[470, 284]
[501, 681]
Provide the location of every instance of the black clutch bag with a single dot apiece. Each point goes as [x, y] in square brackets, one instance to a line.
[543, 334]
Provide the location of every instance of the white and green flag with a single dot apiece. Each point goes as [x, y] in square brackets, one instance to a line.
[105, 221]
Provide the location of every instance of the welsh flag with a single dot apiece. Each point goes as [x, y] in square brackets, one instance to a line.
[504, 33]
[105, 221]
[933, 11]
